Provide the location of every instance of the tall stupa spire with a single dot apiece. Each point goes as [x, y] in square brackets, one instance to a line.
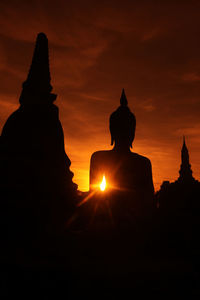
[185, 154]
[37, 87]
[185, 170]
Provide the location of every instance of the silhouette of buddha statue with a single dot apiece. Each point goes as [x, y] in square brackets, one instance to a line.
[32, 142]
[128, 175]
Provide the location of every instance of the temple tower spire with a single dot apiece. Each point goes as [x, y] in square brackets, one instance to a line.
[185, 169]
[37, 87]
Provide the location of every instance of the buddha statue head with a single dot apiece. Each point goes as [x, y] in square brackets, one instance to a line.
[122, 124]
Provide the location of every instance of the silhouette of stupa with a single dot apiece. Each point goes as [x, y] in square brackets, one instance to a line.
[185, 170]
[182, 194]
[34, 165]
[37, 88]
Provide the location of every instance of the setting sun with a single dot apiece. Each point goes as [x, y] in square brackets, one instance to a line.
[103, 184]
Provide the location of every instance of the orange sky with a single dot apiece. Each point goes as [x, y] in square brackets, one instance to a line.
[151, 48]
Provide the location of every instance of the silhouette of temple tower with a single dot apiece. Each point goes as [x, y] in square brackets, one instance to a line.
[34, 165]
[185, 170]
[37, 88]
[182, 193]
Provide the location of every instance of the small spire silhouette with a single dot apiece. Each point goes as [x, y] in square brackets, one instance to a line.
[123, 99]
[38, 79]
[185, 170]
[184, 147]
[183, 140]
